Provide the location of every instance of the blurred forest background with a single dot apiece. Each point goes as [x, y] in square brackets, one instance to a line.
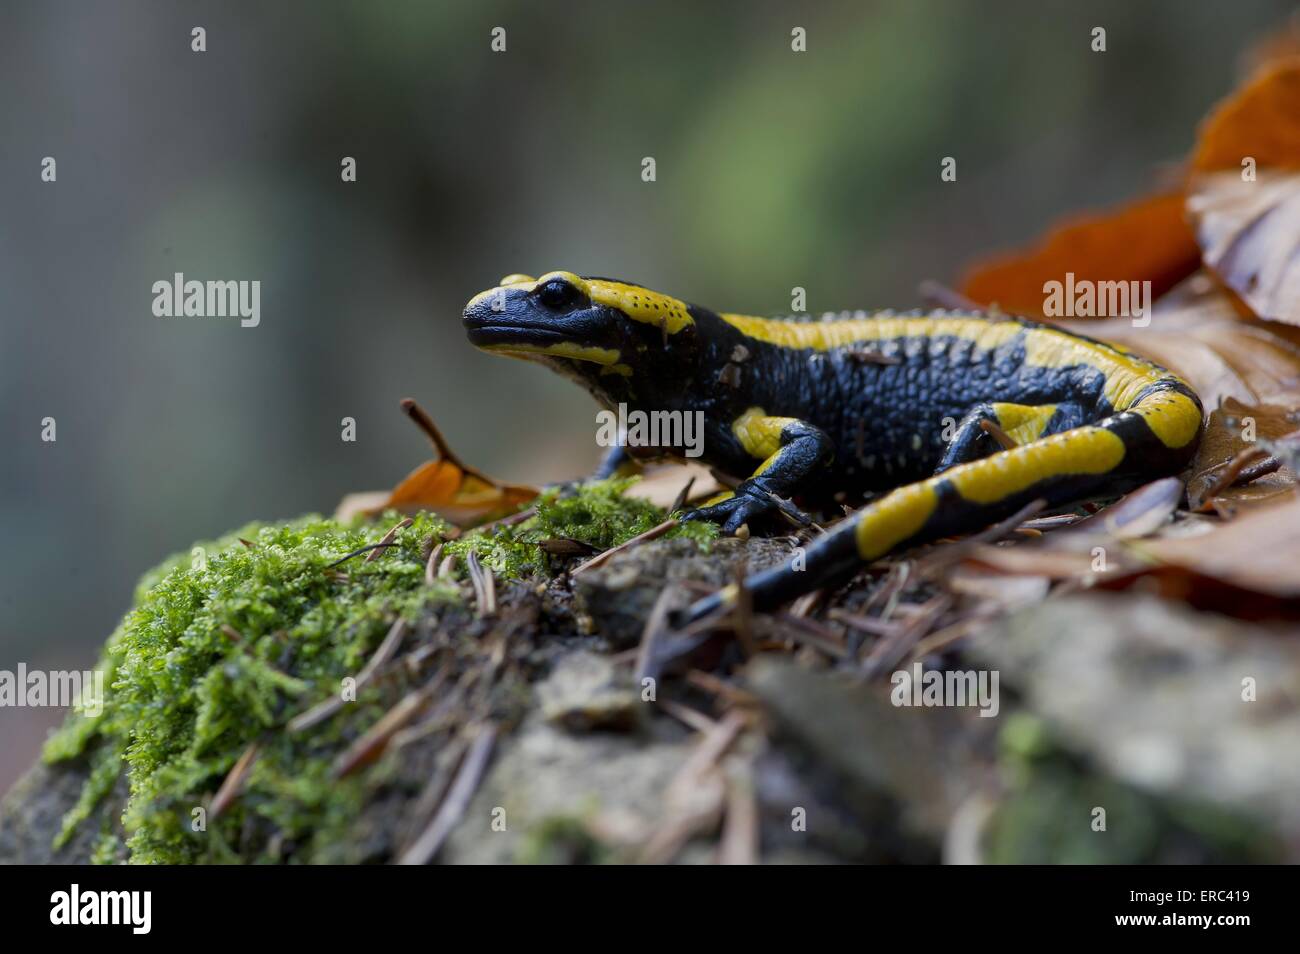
[775, 169]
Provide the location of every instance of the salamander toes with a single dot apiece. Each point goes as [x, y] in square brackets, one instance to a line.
[733, 513]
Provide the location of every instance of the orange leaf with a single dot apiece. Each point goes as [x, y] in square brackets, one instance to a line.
[446, 485]
[1148, 240]
[1261, 120]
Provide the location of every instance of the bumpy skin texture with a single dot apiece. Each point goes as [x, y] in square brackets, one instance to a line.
[852, 405]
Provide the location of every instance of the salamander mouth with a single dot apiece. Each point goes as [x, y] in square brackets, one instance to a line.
[482, 336]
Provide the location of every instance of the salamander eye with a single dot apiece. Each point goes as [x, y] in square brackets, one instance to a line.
[559, 294]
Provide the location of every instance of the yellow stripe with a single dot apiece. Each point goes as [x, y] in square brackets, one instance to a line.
[1175, 422]
[1172, 417]
[1083, 450]
[564, 349]
[718, 498]
[895, 517]
[824, 335]
[901, 514]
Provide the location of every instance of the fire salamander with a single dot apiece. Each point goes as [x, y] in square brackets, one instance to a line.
[904, 410]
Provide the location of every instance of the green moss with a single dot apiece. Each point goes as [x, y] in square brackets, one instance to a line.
[563, 840]
[228, 642]
[599, 515]
[1048, 814]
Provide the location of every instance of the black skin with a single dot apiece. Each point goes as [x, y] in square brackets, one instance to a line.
[865, 425]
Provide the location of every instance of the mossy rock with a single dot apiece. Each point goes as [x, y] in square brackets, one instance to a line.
[227, 643]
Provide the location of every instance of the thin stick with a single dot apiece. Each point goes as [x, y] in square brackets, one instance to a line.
[234, 783]
[388, 539]
[458, 797]
[322, 711]
[651, 534]
[431, 566]
[360, 550]
[1230, 472]
[998, 434]
[425, 423]
[484, 586]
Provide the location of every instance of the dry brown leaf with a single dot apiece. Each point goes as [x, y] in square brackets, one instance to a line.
[1259, 551]
[1224, 439]
[1196, 333]
[1244, 197]
[1249, 233]
[1148, 240]
[445, 485]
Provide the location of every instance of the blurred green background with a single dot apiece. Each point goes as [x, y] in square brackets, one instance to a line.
[775, 169]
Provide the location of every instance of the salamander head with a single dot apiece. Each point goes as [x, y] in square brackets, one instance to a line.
[584, 326]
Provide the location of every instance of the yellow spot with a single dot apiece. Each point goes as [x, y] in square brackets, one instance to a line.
[824, 335]
[639, 304]
[517, 280]
[889, 521]
[718, 498]
[1023, 422]
[1083, 450]
[759, 434]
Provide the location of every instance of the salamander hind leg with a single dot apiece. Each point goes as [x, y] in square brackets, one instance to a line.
[980, 431]
[964, 499]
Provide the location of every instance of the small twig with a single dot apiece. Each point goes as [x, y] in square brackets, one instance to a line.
[485, 592]
[372, 744]
[998, 434]
[894, 648]
[871, 356]
[684, 494]
[388, 538]
[939, 295]
[739, 844]
[742, 613]
[652, 534]
[526, 514]
[691, 718]
[360, 550]
[946, 556]
[431, 566]
[1234, 470]
[234, 783]
[712, 684]
[814, 634]
[425, 423]
[325, 709]
[453, 806]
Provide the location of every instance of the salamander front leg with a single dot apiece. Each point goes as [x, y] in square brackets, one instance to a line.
[791, 450]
